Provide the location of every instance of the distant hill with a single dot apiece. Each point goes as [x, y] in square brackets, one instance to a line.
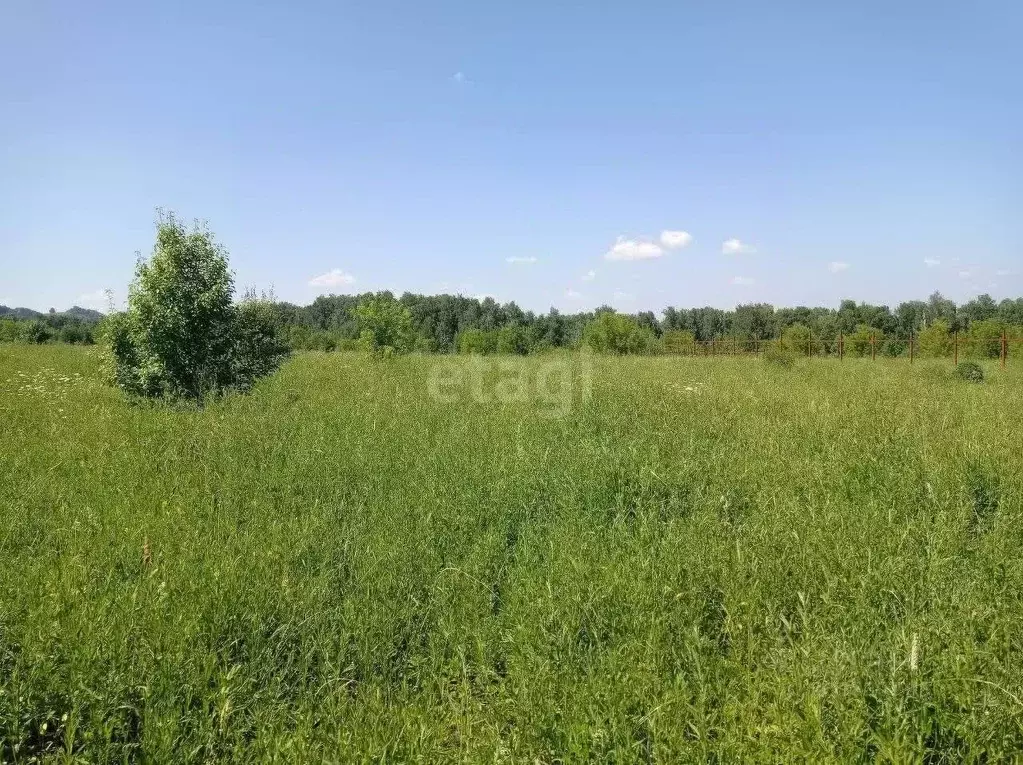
[85, 314]
[19, 313]
[75, 312]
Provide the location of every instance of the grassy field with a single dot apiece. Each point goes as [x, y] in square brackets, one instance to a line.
[619, 560]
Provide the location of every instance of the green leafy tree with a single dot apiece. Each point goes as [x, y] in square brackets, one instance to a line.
[985, 339]
[678, 341]
[513, 339]
[181, 335]
[612, 332]
[798, 339]
[858, 343]
[385, 323]
[36, 331]
[936, 340]
[477, 341]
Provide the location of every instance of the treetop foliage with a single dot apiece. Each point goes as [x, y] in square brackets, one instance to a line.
[182, 336]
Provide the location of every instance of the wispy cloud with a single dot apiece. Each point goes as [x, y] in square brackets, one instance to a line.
[965, 274]
[931, 262]
[96, 300]
[622, 295]
[742, 281]
[837, 266]
[459, 78]
[736, 247]
[589, 276]
[571, 294]
[333, 278]
[633, 249]
[522, 259]
[1003, 272]
[675, 240]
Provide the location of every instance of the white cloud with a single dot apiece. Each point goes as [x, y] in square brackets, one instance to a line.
[571, 294]
[742, 281]
[589, 276]
[965, 274]
[836, 266]
[459, 77]
[97, 300]
[333, 278]
[1002, 272]
[736, 247]
[931, 262]
[675, 240]
[622, 295]
[633, 249]
[520, 259]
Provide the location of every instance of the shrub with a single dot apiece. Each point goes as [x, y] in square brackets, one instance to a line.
[935, 340]
[858, 343]
[513, 339]
[9, 331]
[181, 336]
[799, 340]
[985, 339]
[383, 322]
[777, 355]
[678, 341]
[476, 341]
[36, 331]
[893, 347]
[612, 332]
[970, 371]
[259, 342]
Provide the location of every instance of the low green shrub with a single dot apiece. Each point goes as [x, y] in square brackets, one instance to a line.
[778, 356]
[970, 371]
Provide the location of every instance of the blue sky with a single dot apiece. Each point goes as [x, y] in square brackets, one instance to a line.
[530, 151]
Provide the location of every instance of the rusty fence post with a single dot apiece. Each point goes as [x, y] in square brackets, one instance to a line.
[873, 351]
[841, 346]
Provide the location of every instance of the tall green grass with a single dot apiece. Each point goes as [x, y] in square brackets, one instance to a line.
[706, 559]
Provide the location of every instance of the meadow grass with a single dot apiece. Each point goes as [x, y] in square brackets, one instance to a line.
[701, 560]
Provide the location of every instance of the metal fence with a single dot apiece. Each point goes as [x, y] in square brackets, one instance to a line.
[957, 348]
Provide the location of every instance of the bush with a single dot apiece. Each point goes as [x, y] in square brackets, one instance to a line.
[181, 336]
[893, 348]
[936, 340]
[260, 344]
[985, 340]
[970, 371]
[384, 323]
[513, 339]
[678, 341]
[476, 341]
[798, 339]
[36, 331]
[858, 343]
[616, 333]
[777, 355]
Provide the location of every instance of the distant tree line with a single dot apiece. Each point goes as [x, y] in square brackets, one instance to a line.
[450, 323]
[76, 326]
[454, 323]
